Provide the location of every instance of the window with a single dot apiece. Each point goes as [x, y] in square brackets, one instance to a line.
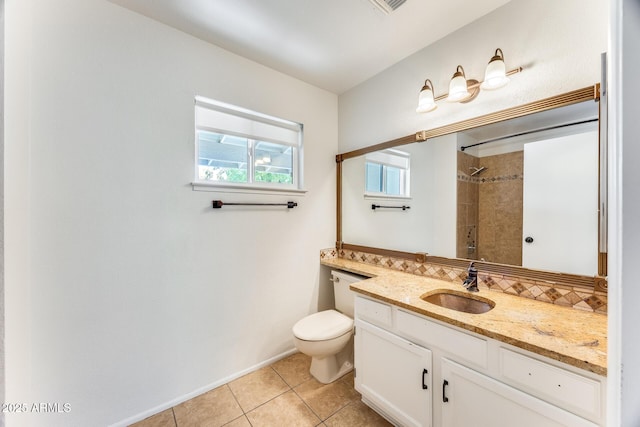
[387, 174]
[236, 147]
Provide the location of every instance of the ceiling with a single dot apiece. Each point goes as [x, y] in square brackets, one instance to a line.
[331, 44]
[531, 123]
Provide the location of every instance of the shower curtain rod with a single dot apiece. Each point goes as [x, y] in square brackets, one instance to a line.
[527, 133]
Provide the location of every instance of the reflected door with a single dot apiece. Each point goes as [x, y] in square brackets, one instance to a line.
[560, 204]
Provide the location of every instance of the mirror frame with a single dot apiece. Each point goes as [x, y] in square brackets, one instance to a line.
[589, 93]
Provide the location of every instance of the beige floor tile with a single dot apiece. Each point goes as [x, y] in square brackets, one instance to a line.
[326, 399]
[256, 388]
[285, 410]
[214, 408]
[294, 369]
[356, 414]
[162, 419]
[349, 379]
[239, 422]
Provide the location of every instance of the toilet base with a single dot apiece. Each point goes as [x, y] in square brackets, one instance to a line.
[328, 369]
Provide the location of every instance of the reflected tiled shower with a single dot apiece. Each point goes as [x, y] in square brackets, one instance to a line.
[467, 199]
[489, 222]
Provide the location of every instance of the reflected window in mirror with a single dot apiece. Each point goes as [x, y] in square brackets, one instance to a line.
[387, 174]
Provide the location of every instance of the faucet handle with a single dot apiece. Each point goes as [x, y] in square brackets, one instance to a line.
[472, 268]
[471, 282]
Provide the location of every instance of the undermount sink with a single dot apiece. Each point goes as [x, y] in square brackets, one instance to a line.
[458, 301]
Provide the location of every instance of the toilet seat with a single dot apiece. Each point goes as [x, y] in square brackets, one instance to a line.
[322, 326]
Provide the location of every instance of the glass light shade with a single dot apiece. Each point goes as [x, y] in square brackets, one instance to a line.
[458, 88]
[495, 75]
[426, 101]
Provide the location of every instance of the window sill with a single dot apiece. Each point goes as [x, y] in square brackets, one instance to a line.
[385, 197]
[246, 189]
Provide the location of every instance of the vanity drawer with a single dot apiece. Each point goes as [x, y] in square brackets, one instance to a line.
[464, 347]
[558, 386]
[374, 312]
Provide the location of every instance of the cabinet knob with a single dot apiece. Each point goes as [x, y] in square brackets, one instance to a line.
[528, 239]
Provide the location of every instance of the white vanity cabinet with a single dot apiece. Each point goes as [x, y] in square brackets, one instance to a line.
[468, 379]
[472, 399]
[393, 374]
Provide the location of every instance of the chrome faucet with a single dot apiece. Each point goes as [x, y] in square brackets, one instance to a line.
[471, 282]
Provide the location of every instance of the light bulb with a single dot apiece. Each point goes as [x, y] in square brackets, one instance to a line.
[495, 75]
[426, 101]
[458, 86]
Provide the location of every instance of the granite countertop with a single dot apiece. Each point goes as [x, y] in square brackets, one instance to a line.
[575, 337]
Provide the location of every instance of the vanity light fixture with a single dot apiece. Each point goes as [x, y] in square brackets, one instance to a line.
[465, 90]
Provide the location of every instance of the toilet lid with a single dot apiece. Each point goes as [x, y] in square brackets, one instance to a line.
[321, 326]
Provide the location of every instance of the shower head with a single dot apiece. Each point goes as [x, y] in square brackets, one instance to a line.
[476, 171]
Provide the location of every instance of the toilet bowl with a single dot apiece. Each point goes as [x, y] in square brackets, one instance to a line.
[327, 336]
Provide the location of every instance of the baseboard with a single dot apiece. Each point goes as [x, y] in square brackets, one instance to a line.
[170, 404]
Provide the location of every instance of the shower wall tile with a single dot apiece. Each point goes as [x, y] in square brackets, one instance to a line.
[500, 197]
[467, 211]
[491, 202]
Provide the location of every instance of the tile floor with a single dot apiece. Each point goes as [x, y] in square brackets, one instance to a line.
[280, 395]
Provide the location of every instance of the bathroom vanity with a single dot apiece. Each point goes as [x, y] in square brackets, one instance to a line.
[523, 362]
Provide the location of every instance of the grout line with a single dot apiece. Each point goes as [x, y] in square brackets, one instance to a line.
[175, 420]
[235, 398]
[235, 419]
[300, 397]
[306, 404]
[341, 379]
[244, 414]
[281, 377]
[264, 403]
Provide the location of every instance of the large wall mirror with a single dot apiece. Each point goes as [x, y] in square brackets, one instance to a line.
[520, 188]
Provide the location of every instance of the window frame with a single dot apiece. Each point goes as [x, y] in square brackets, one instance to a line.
[293, 131]
[377, 159]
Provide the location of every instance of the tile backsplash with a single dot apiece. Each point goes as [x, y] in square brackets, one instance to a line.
[554, 293]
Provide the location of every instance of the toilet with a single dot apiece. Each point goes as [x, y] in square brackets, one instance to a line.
[327, 336]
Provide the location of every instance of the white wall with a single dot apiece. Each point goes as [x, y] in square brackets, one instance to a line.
[2, 373]
[125, 291]
[558, 44]
[626, 89]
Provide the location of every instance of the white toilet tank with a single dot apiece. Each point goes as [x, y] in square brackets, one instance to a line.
[344, 297]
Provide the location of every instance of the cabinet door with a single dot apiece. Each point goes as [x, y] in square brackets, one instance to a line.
[472, 399]
[393, 375]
